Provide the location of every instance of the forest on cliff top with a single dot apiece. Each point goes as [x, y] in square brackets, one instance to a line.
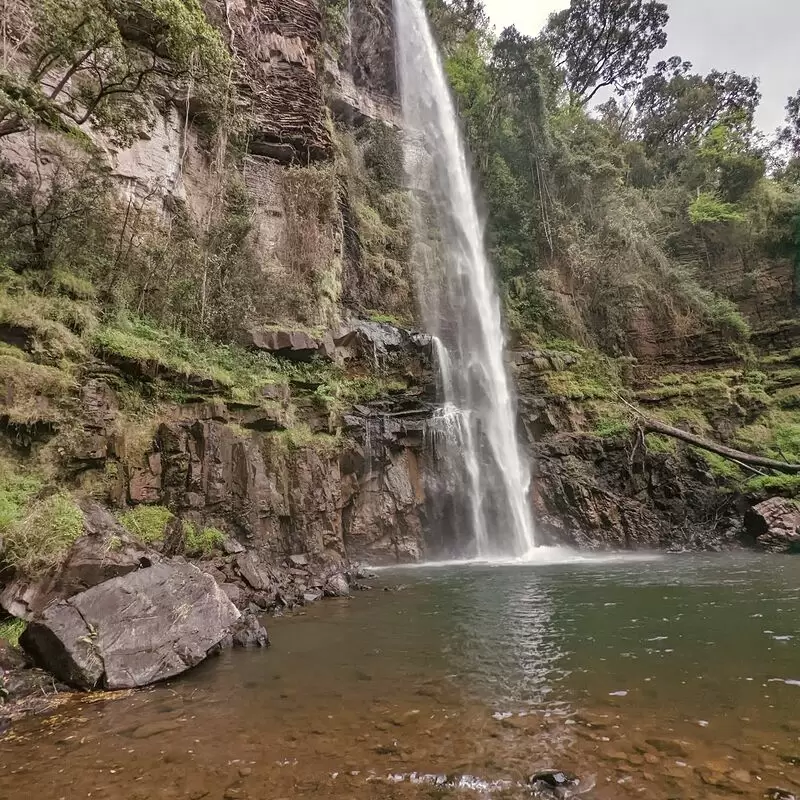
[597, 210]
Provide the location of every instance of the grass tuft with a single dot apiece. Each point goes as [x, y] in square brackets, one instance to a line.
[200, 543]
[147, 523]
[40, 540]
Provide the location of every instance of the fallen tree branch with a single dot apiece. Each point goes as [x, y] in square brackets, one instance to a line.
[746, 460]
[654, 426]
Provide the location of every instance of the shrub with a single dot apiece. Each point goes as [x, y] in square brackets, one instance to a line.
[147, 523]
[200, 543]
[706, 208]
[41, 539]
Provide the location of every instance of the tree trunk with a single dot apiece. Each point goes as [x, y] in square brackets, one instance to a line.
[654, 426]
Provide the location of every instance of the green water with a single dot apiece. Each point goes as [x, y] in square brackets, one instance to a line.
[669, 677]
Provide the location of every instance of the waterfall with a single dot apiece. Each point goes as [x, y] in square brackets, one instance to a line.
[459, 302]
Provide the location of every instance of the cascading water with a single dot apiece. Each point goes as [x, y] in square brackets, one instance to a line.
[460, 305]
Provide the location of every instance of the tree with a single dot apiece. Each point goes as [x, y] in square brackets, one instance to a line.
[605, 43]
[790, 135]
[455, 20]
[676, 107]
[94, 61]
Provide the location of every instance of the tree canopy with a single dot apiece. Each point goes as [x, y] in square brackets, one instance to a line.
[95, 61]
[601, 216]
[605, 43]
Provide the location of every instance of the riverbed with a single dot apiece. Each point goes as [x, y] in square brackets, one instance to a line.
[661, 677]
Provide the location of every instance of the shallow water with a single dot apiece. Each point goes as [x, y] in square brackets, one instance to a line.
[662, 678]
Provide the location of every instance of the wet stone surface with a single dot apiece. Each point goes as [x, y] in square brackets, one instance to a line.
[671, 678]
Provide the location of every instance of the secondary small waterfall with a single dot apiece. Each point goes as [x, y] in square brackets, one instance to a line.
[459, 301]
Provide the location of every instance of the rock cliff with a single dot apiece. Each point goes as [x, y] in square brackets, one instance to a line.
[209, 349]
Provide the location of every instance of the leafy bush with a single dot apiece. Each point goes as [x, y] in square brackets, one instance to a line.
[39, 541]
[708, 209]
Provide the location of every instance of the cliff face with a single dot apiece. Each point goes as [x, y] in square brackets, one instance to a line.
[224, 335]
[296, 427]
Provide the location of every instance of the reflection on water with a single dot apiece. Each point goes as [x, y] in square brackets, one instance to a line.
[674, 677]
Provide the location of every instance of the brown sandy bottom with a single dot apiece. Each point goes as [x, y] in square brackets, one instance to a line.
[349, 704]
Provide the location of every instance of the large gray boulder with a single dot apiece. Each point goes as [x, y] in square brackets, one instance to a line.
[130, 631]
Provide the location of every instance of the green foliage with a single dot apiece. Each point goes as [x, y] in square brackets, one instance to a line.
[335, 22]
[301, 437]
[39, 541]
[201, 543]
[656, 443]
[606, 44]
[17, 490]
[612, 426]
[771, 485]
[775, 434]
[707, 209]
[141, 341]
[100, 61]
[147, 523]
[389, 319]
[592, 377]
[11, 629]
[720, 467]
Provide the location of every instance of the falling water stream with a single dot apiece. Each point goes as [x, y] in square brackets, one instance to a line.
[460, 305]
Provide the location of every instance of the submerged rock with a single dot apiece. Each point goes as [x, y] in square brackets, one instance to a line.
[555, 784]
[133, 630]
[249, 632]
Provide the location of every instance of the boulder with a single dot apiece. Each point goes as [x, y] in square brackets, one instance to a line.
[249, 632]
[337, 586]
[555, 784]
[130, 631]
[255, 572]
[105, 551]
[775, 525]
[294, 345]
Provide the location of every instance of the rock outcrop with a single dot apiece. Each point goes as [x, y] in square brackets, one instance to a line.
[775, 525]
[132, 630]
[105, 551]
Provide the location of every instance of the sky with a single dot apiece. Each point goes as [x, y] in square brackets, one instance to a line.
[753, 37]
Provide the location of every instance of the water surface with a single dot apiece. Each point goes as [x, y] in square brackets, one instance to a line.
[670, 677]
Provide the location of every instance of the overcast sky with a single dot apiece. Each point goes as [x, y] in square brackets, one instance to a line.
[754, 37]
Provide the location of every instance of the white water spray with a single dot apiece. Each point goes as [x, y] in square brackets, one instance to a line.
[460, 304]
